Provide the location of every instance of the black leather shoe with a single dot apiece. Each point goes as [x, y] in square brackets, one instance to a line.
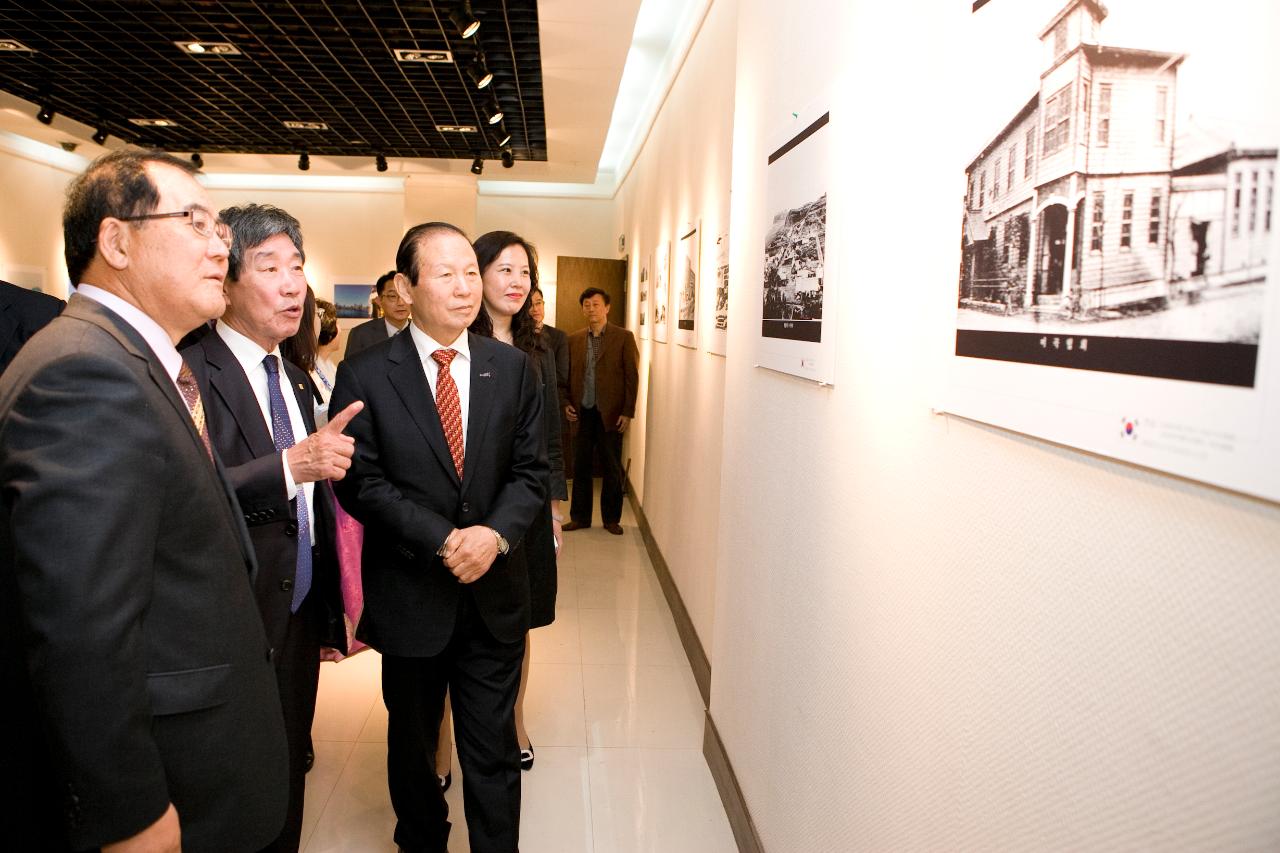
[308, 760]
[614, 528]
[575, 525]
[526, 758]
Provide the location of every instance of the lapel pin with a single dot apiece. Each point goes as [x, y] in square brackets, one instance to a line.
[300, 388]
[486, 375]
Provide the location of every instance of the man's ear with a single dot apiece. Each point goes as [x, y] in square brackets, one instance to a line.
[115, 239]
[401, 284]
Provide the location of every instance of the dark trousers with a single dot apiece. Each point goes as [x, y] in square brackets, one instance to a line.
[592, 434]
[483, 677]
[298, 676]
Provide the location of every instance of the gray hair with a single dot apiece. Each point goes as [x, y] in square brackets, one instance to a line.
[255, 224]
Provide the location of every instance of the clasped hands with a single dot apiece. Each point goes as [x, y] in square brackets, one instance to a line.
[468, 552]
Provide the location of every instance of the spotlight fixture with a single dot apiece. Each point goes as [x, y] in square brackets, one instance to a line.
[466, 22]
[494, 110]
[508, 158]
[477, 166]
[304, 161]
[197, 160]
[45, 116]
[479, 71]
[381, 161]
[504, 137]
[100, 137]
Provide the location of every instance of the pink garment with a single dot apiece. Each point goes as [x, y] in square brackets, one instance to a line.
[350, 536]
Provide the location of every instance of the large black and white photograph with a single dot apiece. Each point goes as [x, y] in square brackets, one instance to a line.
[643, 290]
[796, 295]
[686, 280]
[718, 334]
[794, 269]
[661, 279]
[1119, 194]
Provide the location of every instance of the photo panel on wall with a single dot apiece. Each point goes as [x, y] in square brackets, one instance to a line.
[1117, 273]
[685, 286]
[661, 280]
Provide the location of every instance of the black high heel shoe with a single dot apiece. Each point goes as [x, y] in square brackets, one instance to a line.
[526, 758]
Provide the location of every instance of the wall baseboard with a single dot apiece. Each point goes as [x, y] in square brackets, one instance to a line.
[693, 649]
[735, 805]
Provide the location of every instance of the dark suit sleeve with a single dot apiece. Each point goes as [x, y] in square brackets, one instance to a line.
[630, 376]
[79, 438]
[562, 366]
[551, 427]
[365, 492]
[520, 500]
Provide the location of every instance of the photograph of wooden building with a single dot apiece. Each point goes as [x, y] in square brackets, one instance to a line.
[1091, 209]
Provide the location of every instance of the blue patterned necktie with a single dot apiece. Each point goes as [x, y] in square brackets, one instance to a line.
[282, 434]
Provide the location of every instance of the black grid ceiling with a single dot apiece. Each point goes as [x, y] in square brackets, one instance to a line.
[103, 62]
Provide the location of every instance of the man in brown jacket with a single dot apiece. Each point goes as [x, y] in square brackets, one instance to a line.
[603, 380]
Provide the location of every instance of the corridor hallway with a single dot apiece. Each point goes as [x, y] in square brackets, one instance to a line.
[613, 712]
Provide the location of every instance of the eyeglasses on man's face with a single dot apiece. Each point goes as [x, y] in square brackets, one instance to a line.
[201, 221]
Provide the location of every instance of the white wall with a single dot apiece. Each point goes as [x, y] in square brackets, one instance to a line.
[935, 635]
[31, 220]
[681, 177]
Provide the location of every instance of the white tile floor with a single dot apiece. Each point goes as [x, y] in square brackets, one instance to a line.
[612, 710]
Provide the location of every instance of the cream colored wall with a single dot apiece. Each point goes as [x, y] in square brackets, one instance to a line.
[682, 177]
[583, 228]
[936, 635]
[31, 219]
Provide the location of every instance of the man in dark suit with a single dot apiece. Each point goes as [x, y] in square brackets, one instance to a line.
[603, 382]
[263, 426]
[394, 316]
[447, 475]
[134, 659]
[22, 313]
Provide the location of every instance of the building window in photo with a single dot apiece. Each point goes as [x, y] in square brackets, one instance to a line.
[1095, 238]
[1057, 120]
[1013, 158]
[995, 181]
[1031, 152]
[1162, 110]
[1153, 225]
[1104, 114]
[1126, 222]
[1253, 203]
[1235, 205]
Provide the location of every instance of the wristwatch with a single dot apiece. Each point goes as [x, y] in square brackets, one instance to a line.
[503, 547]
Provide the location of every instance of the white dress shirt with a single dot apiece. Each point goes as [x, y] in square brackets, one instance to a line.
[250, 356]
[459, 369]
[392, 331]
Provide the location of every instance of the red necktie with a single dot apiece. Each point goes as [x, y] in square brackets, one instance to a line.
[191, 396]
[449, 406]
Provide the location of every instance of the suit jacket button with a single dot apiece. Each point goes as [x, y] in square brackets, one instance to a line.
[271, 655]
[466, 507]
[291, 529]
[286, 584]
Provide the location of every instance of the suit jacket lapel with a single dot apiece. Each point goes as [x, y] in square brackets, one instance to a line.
[480, 404]
[406, 374]
[133, 343]
[227, 379]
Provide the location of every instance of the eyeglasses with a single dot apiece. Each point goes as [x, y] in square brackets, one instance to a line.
[201, 221]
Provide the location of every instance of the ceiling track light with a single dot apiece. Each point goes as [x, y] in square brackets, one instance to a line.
[304, 161]
[466, 21]
[479, 71]
[46, 114]
[197, 160]
[494, 110]
[504, 136]
[477, 166]
[381, 161]
[100, 136]
[508, 158]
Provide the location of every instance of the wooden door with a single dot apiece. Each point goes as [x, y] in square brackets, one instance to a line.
[574, 275]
